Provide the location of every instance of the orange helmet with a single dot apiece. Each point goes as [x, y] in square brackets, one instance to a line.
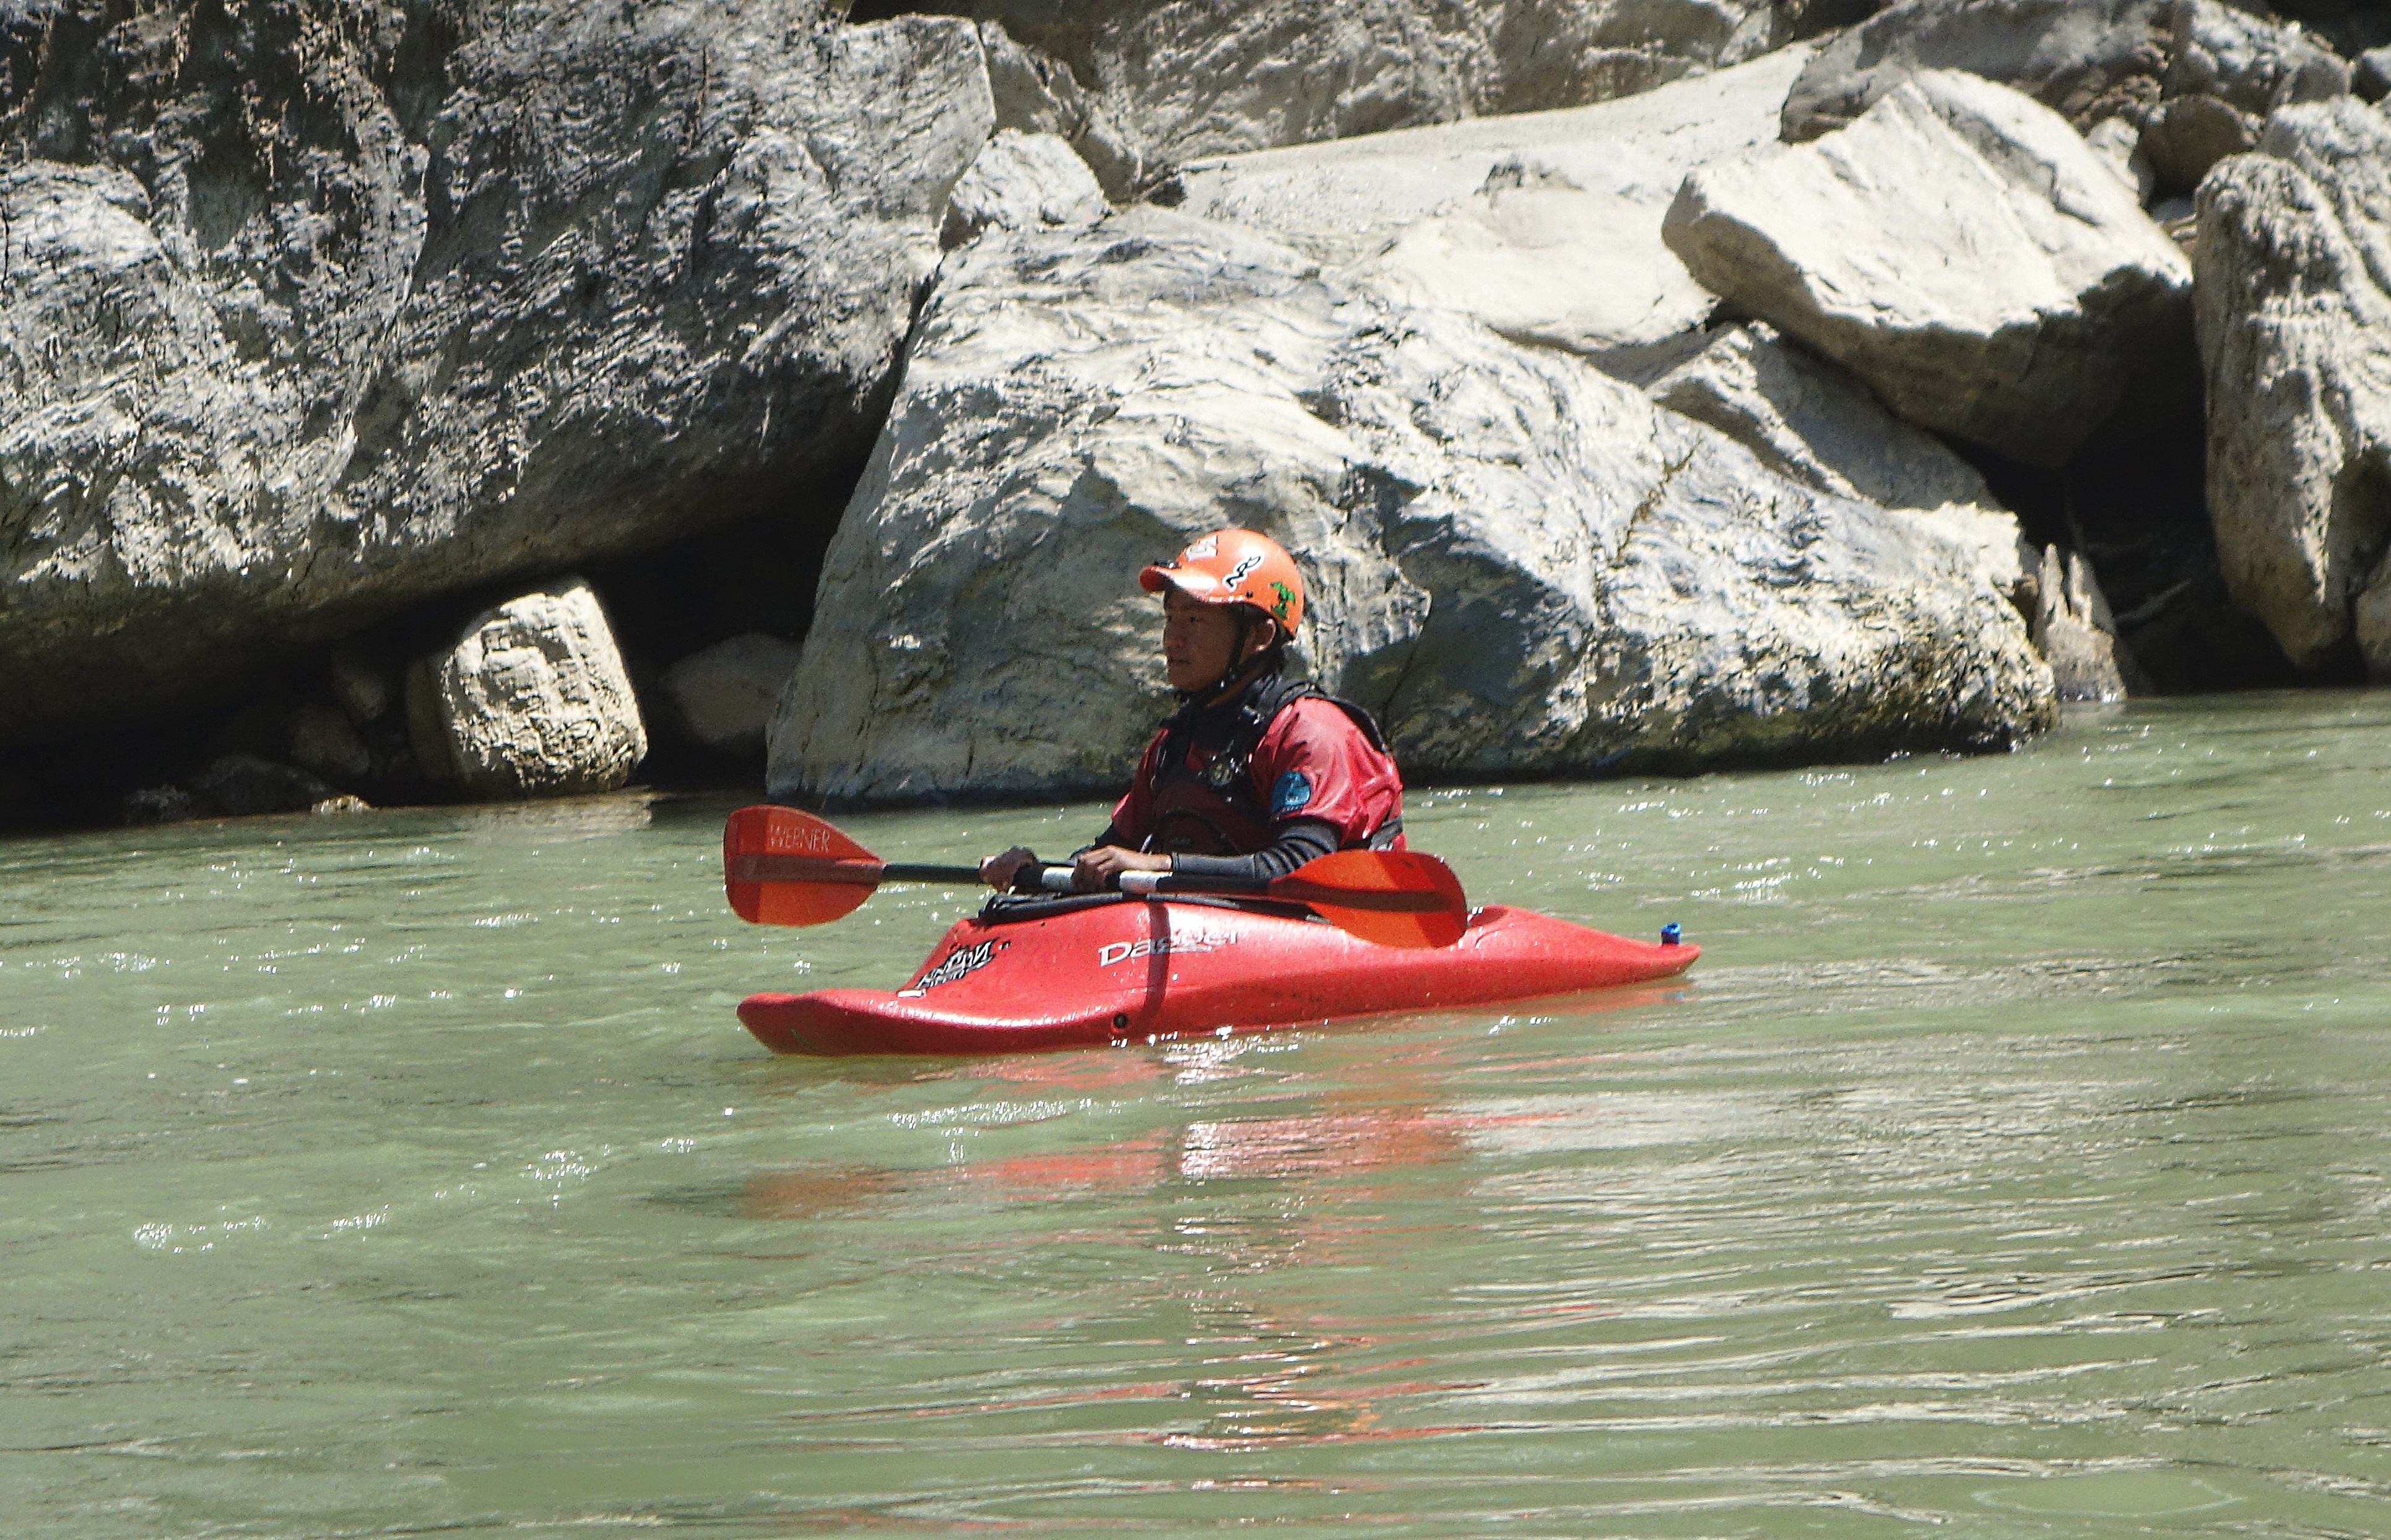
[1235, 567]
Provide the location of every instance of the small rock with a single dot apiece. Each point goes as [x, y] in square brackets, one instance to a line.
[1019, 181]
[244, 786]
[1036, 94]
[721, 698]
[2189, 134]
[2371, 79]
[2074, 632]
[159, 804]
[532, 701]
[343, 803]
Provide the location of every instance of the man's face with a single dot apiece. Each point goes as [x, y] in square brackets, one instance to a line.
[1197, 639]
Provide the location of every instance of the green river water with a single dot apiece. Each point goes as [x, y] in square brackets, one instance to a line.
[2015, 1164]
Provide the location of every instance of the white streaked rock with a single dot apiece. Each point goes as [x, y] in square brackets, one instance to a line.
[1963, 252]
[1522, 565]
[532, 701]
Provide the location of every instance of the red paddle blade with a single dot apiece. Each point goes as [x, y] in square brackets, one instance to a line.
[781, 867]
[1392, 897]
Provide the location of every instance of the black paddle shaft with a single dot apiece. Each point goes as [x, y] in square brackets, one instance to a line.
[1047, 879]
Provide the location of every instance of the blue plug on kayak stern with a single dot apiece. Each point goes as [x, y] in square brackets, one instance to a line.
[1669, 934]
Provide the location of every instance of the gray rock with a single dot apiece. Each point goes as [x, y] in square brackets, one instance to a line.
[1811, 422]
[1021, 181]
[1545, 226]
[2294, 326]
[2252, 61]
[2371, 79]
[1522, 565]
[350, 307]
[532, 701]
[2189, 134]
[2074, 631]
[1036, 93]
[1188, 79]
[2087, 60]
[158, 804]
[1960, 248]
[721, 697]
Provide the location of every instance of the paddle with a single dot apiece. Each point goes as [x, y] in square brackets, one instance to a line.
[784, 867]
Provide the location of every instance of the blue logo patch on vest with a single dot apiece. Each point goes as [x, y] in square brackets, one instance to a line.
[1292, 794]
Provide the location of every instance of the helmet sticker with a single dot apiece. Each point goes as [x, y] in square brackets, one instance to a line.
[1285, 597]
[1203, 550]
[1292, 794]
[1242, 569]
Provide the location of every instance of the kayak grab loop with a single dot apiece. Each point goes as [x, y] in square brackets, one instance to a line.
[1671, 935]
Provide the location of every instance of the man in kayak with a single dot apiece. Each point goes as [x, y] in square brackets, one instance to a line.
[1254, 775]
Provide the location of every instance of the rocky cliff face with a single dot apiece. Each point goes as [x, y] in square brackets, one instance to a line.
[316, 311]
[329, 327]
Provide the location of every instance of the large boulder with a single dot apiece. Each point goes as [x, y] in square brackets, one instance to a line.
[1519, 564]
[1545, 226]
[2294, 326]
[2087, 60]
[1180, 81]
[531, 701]
[1962, 250]
[315, 310]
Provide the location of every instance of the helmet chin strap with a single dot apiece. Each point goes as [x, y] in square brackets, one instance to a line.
[1240, 666]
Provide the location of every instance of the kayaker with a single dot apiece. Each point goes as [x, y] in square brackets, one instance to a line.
[1255, 774]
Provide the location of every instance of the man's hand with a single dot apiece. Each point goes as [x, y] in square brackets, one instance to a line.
[998, 871]
[1095, 869]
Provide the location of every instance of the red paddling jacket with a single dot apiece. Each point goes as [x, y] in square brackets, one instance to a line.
[1279, 775]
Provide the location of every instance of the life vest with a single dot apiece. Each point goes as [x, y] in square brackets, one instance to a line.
[1214, 810]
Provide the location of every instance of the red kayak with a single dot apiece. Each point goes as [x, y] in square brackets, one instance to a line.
[1110, 968]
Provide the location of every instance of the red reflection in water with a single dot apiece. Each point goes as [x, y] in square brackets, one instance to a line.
[1301, 1188]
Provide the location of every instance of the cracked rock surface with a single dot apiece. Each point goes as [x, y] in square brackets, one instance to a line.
[1519, 564]
[1963, 252]
[2295, 324]
[313, 311]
